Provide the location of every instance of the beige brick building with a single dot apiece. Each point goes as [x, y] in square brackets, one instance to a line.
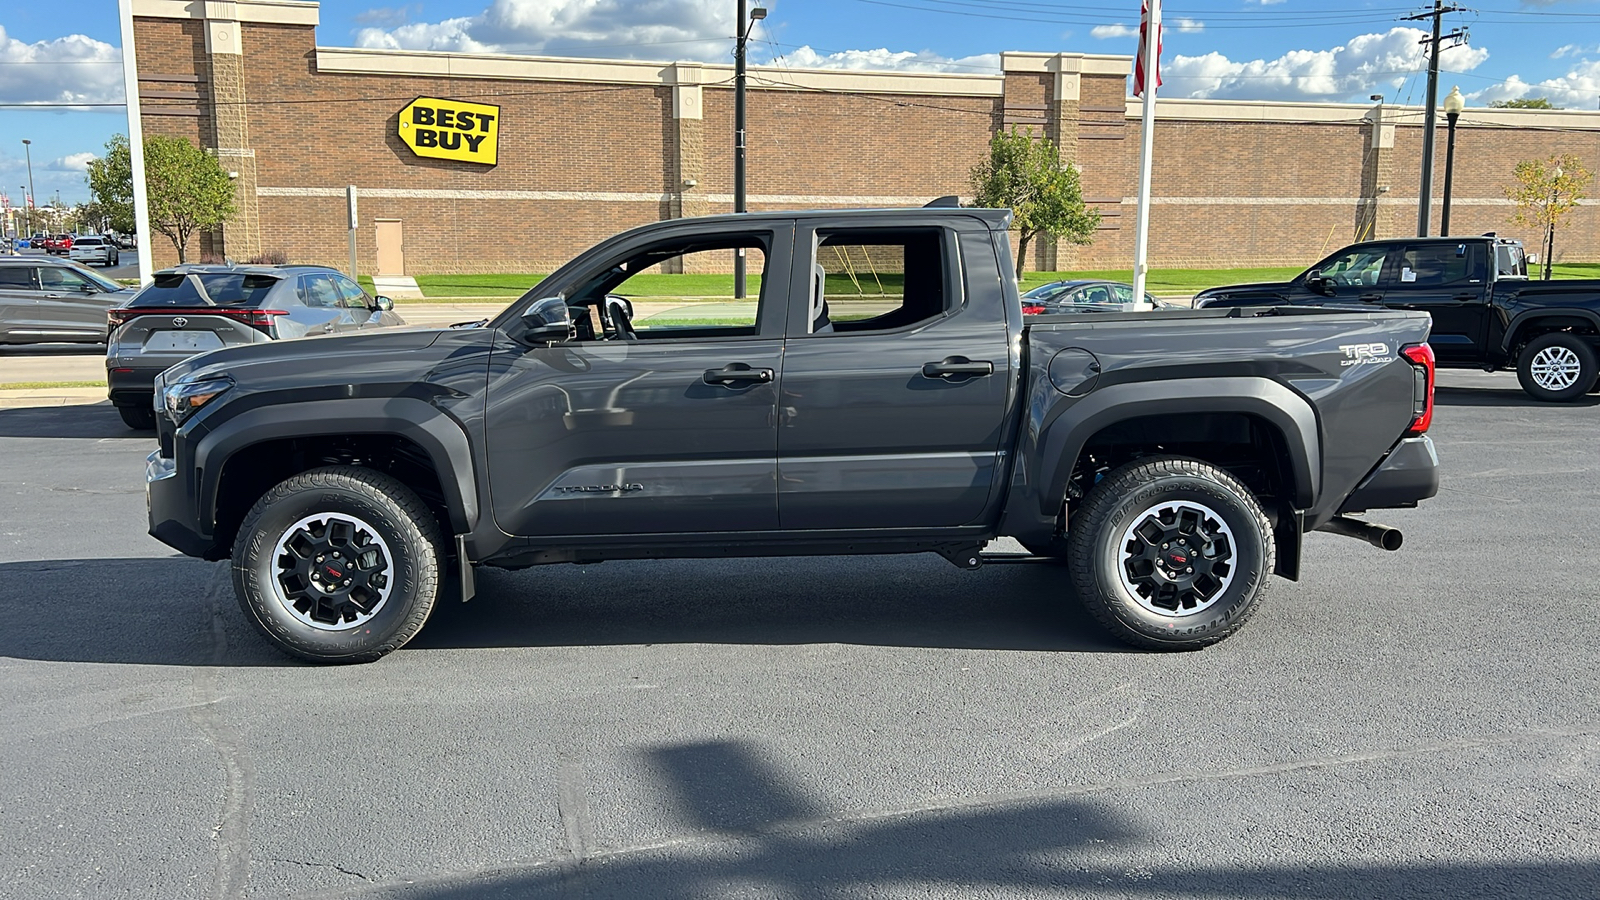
[590, 147]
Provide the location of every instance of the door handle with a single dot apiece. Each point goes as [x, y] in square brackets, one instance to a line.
[737, 373]
[1464, 298]
[952, 368]
[1371, 298]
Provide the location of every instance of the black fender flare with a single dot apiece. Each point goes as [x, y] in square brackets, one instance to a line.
[1528, 317]
[439, 435]
[1062, 440]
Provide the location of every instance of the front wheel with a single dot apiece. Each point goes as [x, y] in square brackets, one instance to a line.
[1170, 553]
[338, 564]
[1557, 367]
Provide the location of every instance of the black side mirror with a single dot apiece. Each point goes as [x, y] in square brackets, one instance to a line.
[548, 320]
[1316, 281]
[382, 304]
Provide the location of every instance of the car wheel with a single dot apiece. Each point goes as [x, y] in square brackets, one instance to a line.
[1170, 553]
[338, 564]
[1557, 367]
[139, 418]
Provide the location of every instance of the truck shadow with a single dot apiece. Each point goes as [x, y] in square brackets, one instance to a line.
[181, 612]
[1502, 397]
[87, 421]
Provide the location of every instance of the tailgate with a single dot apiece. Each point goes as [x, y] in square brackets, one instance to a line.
[181, 335]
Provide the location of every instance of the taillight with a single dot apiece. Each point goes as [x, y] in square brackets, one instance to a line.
[116, 317]
[1421, 358]
[1033, 309]
[259, 319]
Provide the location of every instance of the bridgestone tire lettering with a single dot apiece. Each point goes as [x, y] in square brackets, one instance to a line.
[1129, 493]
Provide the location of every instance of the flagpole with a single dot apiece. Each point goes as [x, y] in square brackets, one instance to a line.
[1147, 142]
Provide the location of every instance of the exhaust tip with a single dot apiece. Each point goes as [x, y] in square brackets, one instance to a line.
[1390, 539]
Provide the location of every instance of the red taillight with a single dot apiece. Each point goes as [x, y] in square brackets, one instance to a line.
[1033, 309]
[259, 319]
[1421, 356]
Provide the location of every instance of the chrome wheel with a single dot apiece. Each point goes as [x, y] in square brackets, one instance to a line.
[1555, 368]
[1177, 558]
[333, 571]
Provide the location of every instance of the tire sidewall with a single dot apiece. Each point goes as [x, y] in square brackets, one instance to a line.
[1587, 374]
[255, 572]
[1250, 552]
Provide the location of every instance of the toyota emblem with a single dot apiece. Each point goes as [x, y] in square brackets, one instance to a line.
[179, 322]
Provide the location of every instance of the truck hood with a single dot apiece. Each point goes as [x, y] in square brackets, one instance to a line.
[324, 354]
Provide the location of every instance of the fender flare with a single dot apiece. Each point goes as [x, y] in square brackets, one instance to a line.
[439, 435]
[1528, 317]
[1063, 440]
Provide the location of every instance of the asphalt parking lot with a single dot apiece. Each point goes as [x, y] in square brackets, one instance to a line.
[1415, 724]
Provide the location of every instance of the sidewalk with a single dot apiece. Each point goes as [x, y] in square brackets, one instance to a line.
[13, 399]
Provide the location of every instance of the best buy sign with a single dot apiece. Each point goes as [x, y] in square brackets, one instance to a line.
[451, 129]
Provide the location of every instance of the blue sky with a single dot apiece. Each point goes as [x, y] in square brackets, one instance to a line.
[1245, 49]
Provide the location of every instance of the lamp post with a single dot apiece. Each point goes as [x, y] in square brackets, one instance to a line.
[1453, 105]
[755, 15]
[27, 202]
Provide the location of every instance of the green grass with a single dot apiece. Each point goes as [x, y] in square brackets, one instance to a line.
[42, 385]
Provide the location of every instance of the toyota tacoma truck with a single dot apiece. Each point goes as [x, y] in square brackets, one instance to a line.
[1486, 312]
[880, 392]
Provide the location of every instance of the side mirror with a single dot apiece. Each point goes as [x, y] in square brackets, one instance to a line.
[1318, 282]
[382, 304]
[548, 320]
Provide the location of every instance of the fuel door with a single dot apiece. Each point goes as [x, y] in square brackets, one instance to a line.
[1074, 371]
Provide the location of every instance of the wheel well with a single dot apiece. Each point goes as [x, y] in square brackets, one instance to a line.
[1543, 325]
[251, 472]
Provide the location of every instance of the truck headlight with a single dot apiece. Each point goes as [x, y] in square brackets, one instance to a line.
[180, 401]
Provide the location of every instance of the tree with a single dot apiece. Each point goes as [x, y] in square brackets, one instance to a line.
[1524, 103]
[1545, 192]
[188, 189]
[1027, 175]
[111, 184]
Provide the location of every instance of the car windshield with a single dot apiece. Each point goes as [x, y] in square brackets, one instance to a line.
[206, 289]
[1045, 292]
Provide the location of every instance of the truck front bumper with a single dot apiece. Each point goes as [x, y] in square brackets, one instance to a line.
[1409, 473]
[170, 499]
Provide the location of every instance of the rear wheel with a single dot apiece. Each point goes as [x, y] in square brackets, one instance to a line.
[1170, 553]
[338, 564]
[139, 418]
[1557, 367]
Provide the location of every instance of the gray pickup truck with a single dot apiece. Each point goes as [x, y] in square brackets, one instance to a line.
[881, 392]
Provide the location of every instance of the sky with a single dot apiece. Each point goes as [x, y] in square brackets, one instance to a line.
[61, 79]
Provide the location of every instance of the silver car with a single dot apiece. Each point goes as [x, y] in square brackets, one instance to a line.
[45, 300]
[189, 310]
[93, 248]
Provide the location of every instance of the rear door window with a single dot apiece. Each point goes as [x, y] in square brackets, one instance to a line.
[17, 278]
[1441, 264]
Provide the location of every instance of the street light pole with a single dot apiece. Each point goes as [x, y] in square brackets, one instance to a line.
[1453, 105]
[743, 27]
[27, 202]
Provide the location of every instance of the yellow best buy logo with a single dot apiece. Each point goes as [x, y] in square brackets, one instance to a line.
[451, 129]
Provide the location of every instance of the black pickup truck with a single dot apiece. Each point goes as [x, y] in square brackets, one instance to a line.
[1486, 313]
[883, 394]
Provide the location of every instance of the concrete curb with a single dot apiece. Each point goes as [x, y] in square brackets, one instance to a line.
[29, 397]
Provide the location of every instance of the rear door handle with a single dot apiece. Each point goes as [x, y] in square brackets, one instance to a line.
[1371, 298]
[1464, 298]
[737, 373]
[953, 368]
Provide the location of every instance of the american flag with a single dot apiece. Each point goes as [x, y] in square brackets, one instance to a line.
[1144, 30]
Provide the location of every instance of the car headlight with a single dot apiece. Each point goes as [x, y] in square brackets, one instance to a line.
[182, 400]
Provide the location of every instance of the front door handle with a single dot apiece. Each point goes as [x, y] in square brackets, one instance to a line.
[954, 368]
[1371, 298]
[328, 328]
[1464, 298]
[734, 374]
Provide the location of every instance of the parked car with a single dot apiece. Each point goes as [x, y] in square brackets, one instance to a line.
[1172, 461]
[123, 241]
[1086, 295]
[91, 248]
[45, 300]
[194, 308]
[1487, 314]
[58, 244]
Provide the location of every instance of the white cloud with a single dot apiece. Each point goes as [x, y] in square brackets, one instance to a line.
[1574, 50]
[1119, 30]
[1188, 26]
[1353, 69]
[72, 162]
[903, 60]
[1578, 89]
[671, 29]
[71, 69]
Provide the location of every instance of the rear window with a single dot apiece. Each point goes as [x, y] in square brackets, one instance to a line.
[87, 242]
[210, 289]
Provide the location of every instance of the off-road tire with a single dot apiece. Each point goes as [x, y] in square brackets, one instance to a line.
[407, 530]
[1568, 346]
[1098, 557]
[139, 418]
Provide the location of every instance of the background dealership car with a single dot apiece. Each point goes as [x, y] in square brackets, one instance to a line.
[47, 300]
[1084, 296]
[192, 309]
[58, 244]
[93, 248]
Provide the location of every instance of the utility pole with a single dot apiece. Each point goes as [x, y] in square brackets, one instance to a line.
[742, 38]
[1430, 118]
